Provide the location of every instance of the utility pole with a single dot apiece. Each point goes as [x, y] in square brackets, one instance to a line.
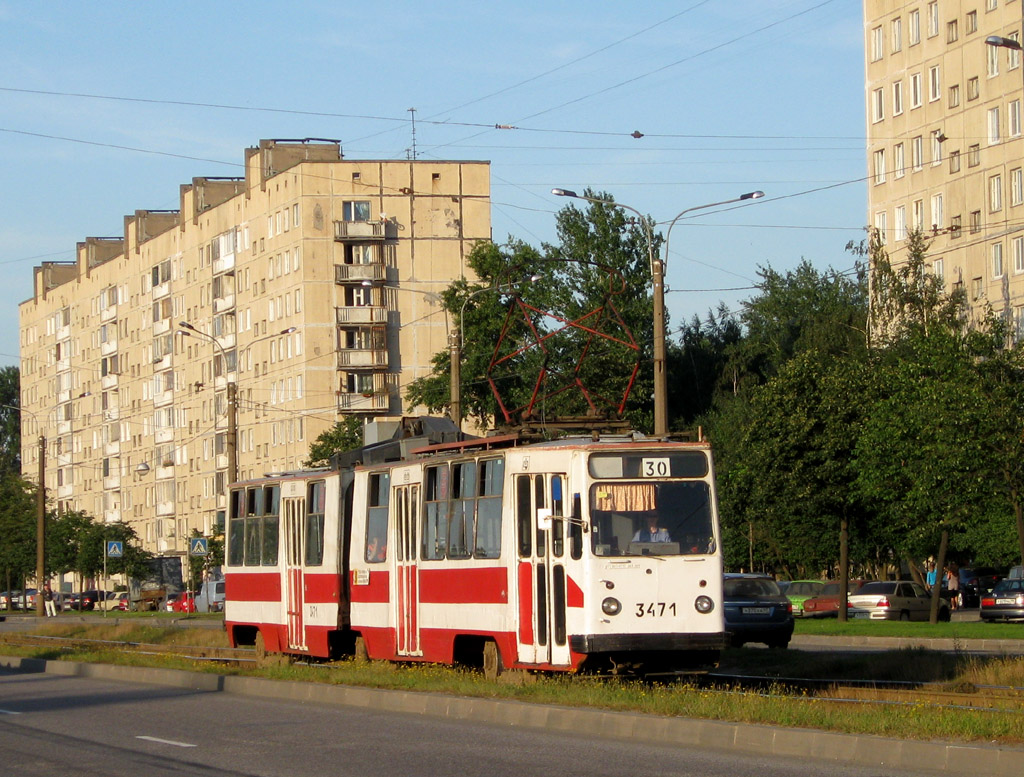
[232, 440]
[41, 530]
[455, 370]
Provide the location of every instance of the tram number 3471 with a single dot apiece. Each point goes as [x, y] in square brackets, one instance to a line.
[655, 609]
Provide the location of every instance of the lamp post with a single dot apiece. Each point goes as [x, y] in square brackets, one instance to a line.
[455, 340]
[658, 286]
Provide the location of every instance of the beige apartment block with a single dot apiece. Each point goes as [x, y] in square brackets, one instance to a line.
[312, 286]
[945, 150]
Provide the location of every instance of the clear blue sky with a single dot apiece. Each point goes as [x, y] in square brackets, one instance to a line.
[731, 95]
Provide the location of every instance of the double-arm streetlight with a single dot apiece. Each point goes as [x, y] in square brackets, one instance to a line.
[658, 283]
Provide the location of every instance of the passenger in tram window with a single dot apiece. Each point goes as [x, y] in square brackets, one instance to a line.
[376, 549]
[651, 532]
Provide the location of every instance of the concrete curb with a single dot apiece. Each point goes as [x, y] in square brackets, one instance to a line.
[863, 750]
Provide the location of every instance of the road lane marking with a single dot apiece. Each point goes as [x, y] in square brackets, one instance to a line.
[166, 741]
[9, 712]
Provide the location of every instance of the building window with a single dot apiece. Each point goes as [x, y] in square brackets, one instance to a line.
[990, 5]
[899, 222]
[1018, 323]
[918, 215]
[1016, 187]
[973, 155]
[934, 84]
[917, 152]
[993, 125]
[881, 227]
[1013, 55]
[955, 226]
[972, 22]
[914, 27]
[896, 31]
[897, 98]
[993, 60]
[916, 97]
[1018, 254]
[1013, 119]
[952, 31]
[954, 95]
[876, 44]
[898, 169]
[977, 289]
[933, 18]
[877, 106]
[357, 210]
[997, 260]
[954, 161]
[937, 138]
[938, 219]
[972, 88]
[975, 222]
[938, 270]
[879, 163]
[995, 193]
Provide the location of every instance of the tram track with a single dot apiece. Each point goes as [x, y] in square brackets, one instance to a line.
[936, 695]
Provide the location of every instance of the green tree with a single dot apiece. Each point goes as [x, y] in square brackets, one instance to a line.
[346, 435]
[10, 420]
[17, 530]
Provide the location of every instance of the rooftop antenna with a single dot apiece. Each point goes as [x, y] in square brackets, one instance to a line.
[412, 151]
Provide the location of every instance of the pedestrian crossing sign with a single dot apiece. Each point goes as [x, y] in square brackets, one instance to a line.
[115, 549]
[197, 546]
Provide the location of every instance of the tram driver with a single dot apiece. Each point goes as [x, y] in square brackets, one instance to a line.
[651, 532]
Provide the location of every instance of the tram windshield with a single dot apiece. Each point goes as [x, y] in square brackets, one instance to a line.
[651, 519]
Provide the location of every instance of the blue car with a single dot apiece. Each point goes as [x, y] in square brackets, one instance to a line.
[756, 610]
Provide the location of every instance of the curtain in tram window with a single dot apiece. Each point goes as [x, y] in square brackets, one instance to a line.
[625, 497]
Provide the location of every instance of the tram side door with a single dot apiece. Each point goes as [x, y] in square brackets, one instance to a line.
[294, 511]
[542, 575]
[406, 500]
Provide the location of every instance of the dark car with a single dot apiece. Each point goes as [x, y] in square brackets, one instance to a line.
[1005, 602]
[86, 600]
[757, 611]
[975, 583]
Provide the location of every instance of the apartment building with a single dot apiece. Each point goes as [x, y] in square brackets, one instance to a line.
[945, 151]
[221, 338]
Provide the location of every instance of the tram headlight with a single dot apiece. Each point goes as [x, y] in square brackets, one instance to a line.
[611, 606]
[704, 604]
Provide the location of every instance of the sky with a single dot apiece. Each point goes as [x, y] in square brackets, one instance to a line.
[108, 107]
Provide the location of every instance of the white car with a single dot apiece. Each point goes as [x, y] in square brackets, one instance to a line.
[894, 600]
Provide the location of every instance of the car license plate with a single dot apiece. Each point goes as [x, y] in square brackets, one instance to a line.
[756, 610]
[1006, 601]
[862, 615]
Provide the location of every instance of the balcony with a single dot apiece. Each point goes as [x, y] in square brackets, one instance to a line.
[362, 403]
[162, 290]
[163, 398]
[164, 470]
[108, 314]
[363, 314]
[65, 491]
[165, 545]
[362, 357]
[357, 273]
[112, 516]
[111, 482]
[359, 230]
[108, 347]
[223, 264]
[165, 508]
[163, 435]
[161, 327]
[227, 302]
[112, 448]
[109, 380]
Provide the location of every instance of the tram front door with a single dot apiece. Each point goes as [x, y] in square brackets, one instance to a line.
[294, 512]
[541, 539]
[405, 501]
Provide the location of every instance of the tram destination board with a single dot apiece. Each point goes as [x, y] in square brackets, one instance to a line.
[650, 464]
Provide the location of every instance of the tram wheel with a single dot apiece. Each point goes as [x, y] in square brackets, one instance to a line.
[359, 652]
[493, 666]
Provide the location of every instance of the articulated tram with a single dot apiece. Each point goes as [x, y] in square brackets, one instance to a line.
[590, 554]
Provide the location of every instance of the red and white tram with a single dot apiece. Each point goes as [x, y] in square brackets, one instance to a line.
[561, 556]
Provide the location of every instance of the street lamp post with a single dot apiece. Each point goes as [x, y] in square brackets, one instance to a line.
[658, 285]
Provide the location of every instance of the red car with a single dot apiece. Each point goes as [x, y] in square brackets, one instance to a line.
[826, 604]
[183, 602]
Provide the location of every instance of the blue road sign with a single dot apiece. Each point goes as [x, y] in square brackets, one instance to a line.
[197, 546]
[115, 549]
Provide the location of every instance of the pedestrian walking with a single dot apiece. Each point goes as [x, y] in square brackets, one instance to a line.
[51, 605]
[953, 585]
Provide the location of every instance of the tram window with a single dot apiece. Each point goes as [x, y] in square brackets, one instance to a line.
[488, 510]
[539, 502]
[379, 489]
[576, 529]
[435, 513]
[652, 519]
[271, 500]
[236, 529]
[315, 523]
[253, 541]
[557, 515]
[524, 526]
[271, 531]
[460, 530]
[254, 501]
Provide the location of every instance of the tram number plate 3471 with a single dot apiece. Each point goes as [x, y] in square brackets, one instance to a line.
[655, 609]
